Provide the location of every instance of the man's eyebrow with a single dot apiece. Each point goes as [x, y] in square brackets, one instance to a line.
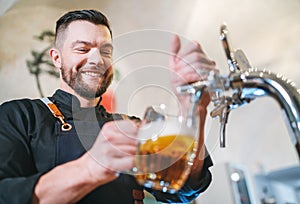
[107, 45]
[81, 42]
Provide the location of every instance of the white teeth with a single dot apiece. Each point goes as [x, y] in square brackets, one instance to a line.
[93, 74]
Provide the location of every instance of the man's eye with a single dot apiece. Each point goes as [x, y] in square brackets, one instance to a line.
[82, 49]
[106, 52]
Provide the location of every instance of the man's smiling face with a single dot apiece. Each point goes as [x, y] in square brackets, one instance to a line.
[86, 58]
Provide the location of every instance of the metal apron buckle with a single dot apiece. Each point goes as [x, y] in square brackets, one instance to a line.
[56, 113]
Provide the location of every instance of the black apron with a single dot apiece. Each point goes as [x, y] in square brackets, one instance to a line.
[72, 144]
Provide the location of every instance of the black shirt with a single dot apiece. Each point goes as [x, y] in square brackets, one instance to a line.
[28, 147]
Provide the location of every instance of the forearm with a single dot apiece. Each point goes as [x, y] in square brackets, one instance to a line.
[68, 183]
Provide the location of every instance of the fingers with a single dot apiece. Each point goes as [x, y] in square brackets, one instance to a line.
[175, 45]
[116, 145]
[192, 54]
[195, 61]
[121, 137]
[191, 63]
[190, 48]
[121, 131]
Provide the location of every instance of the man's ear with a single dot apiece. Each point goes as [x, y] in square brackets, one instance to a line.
[56, 57]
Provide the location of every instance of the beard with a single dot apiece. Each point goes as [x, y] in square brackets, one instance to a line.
[77, 83]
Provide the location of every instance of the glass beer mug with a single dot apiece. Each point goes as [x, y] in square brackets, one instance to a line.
[167, 148]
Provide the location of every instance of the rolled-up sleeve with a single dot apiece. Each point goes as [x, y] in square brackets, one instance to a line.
[16, 190]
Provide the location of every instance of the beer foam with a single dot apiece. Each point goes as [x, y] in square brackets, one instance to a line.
[171, 126]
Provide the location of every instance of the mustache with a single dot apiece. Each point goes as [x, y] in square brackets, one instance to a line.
[93, 68]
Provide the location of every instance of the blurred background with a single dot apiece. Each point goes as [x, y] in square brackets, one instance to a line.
[259, 163]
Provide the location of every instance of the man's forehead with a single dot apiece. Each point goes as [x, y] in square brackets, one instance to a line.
[81, 27]
[84, 31]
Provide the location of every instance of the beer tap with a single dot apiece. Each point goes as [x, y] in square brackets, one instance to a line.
[242, 85]
[237, 63]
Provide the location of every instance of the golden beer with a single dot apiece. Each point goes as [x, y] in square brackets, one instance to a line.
[164, 162]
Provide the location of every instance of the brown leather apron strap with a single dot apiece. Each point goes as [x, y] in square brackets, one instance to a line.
[56, 113]
[138, 196]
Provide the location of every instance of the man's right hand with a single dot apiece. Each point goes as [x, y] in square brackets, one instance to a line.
[114, 150]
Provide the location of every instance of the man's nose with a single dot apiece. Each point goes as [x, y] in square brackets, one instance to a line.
[95, 57]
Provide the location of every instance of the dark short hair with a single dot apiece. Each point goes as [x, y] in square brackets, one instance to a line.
[92, 16]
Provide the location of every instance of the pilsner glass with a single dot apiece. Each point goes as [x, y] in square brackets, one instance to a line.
[167, 148]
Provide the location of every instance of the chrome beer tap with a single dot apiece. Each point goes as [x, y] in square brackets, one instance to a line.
[238, 63]
[244, 84]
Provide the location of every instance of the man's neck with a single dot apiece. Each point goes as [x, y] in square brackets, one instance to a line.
[87, 103]
[84, 102]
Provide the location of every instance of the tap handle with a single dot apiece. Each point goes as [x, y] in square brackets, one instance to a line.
[227, 48]
[236, 59]
[241, 60]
